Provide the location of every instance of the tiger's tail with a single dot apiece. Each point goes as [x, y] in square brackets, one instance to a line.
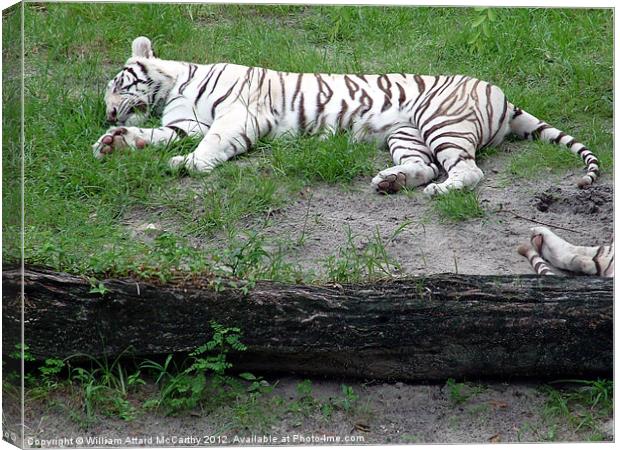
[526, 126]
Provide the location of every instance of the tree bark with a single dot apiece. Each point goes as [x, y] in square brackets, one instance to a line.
[422, 328]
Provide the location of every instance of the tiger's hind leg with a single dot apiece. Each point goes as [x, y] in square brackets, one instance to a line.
[456, 156]
[566, 256]
[414, 165]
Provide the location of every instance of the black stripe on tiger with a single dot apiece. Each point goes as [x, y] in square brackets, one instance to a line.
[188, 120]
[420, 82]
[143, 68]
[283, 91]
[217, 79]
[559, 138]
[364, 106]
[597, 264]
[325, 92]
[246, 141]
[401, 96]
[499, 124]
[606, 270]
[344, 106]
[269, 97]
[222, 98]
[205, 83]
[190, 76]
[137, 79]
[428, 98]
[384, 83]
[428, 132]
[297, 89]
[180, 132]
[301, 118]
[352, 86]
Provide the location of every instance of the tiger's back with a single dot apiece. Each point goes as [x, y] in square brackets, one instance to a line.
[370, 106]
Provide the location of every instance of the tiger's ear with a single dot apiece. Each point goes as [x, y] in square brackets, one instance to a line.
[141, 46]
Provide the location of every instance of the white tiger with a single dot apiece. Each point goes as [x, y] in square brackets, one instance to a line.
[546, 247]
[427, 122]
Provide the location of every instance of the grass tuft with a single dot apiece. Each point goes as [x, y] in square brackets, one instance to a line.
[582, 404]
[460, 393]
[357, 260]
[457, 206]
[332, 160]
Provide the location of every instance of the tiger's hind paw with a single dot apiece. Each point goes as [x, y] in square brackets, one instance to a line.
[389, 183]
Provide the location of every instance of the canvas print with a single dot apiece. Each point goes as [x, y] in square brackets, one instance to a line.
[237, 224]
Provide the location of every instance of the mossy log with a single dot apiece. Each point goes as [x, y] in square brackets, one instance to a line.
[419, 328]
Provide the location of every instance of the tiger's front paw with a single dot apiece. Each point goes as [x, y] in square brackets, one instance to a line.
[117, 138]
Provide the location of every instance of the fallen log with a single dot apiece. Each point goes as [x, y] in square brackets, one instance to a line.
[419, 328]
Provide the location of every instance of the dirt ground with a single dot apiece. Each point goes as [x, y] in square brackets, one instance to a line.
[485, 246]
[397, 412]
[384, 414]
[482, 246]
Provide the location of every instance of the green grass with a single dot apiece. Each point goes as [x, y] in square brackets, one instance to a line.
[581, 404]
[358, 259]
[460, 393]
[233, 193]
[555, 63]
[539, 160]
[334, 160]
[457, 206]
[11, 130]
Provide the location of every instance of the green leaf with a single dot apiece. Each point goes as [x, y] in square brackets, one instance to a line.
[476, 23]
[491, 14]
[486, 29]
[151, 403]
[474, 38]
[247, 376]
[98, 289]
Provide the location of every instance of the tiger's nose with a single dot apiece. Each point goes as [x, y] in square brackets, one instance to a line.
[111, 117]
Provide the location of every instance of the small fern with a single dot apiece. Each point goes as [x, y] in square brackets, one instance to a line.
[480, 29]
[223, 340]
[206, 366]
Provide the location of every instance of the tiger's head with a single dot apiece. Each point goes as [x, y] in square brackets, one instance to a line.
[144, 81]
